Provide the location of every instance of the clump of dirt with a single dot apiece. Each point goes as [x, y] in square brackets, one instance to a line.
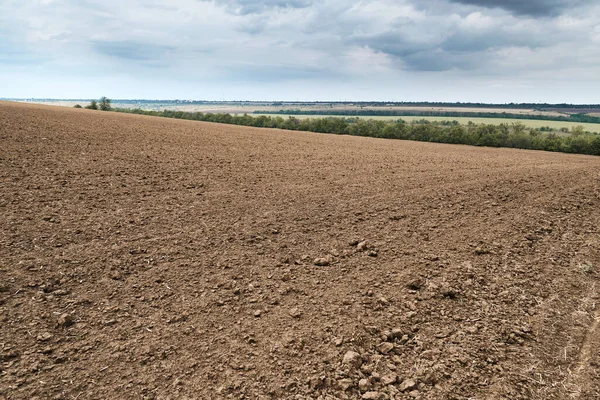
[151, 258]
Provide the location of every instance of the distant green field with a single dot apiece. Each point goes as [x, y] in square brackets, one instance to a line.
[531, 123]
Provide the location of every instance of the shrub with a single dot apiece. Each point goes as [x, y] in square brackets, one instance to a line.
[105, 104]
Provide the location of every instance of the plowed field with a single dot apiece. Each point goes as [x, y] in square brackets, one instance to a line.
[162, 259]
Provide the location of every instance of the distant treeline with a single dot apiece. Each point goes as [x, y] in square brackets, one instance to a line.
[532, 106]
[515, 135]
[450, 114]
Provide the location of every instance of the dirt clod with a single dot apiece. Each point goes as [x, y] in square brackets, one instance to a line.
[389, 379]
[407, 385]
[352, 359]
[364, 385]
[295, 312]
[44, 337]
[386, 347]
[372, 396]
[65, 320]
[396, 333]
[345, 384]
[322, 262]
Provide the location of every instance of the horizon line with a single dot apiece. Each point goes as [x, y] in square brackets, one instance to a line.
[305, 101]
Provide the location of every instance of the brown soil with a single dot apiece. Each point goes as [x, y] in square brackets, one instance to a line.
[152, 258]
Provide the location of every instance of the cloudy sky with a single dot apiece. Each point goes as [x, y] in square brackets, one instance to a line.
[412, 50]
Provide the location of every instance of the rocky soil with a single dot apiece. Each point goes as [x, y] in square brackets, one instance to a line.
[161, 259]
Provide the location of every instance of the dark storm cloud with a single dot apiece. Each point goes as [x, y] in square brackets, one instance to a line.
[464, 41]
[460, 44]
[432, 56]
[439, 60]
[535, 8]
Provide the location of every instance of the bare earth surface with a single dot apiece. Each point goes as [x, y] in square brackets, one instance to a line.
[152, 258]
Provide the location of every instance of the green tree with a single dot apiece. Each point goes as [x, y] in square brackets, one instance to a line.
[92, 106]
[578, 130]
[105, 104]
[77, 106]
[518, 127]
